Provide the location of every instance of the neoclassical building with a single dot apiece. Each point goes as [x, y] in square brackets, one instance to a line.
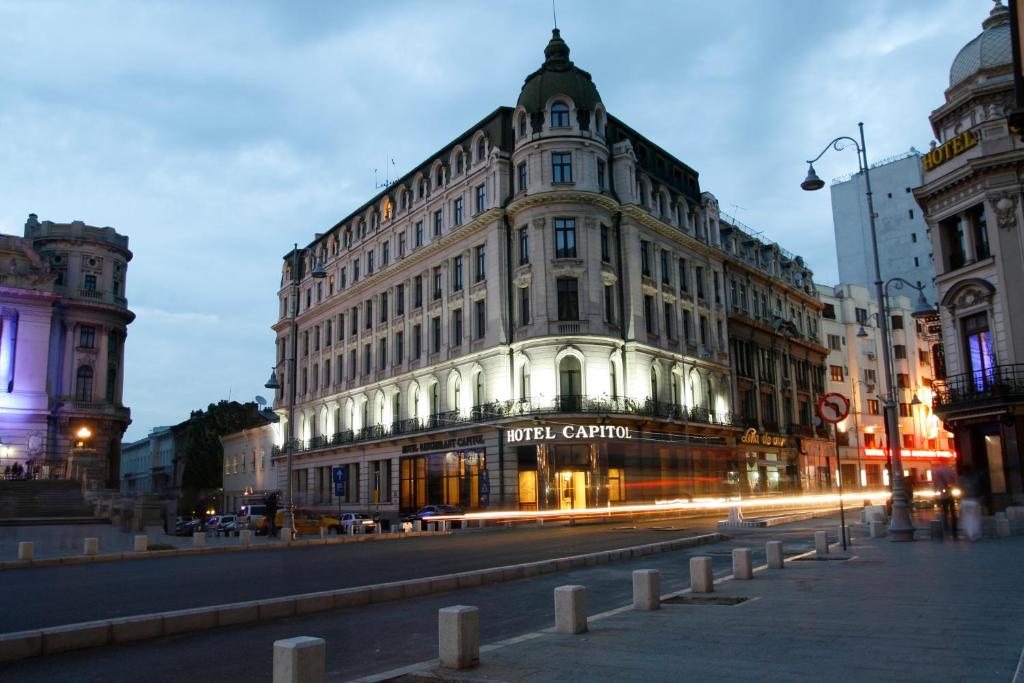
[535, 317]
[971, 199]
[65, 318]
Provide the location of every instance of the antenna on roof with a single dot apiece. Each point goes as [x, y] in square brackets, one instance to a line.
[388, 180]
[554, 14]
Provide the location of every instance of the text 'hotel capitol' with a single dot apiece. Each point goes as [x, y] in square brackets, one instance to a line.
[544, 315]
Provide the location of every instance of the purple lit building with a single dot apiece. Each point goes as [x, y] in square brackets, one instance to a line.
[63, 322]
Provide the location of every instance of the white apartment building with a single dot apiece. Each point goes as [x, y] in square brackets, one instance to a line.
[855, 370]
[532, 318]
[248, 468]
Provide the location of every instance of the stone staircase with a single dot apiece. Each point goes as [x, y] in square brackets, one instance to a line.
[42, 498]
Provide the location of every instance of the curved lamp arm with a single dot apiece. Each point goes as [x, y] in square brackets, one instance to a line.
[839, 148]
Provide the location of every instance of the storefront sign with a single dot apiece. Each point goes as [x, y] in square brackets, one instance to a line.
[915, 454]
[568, 432]
[445, 445]
[751, 436]
[949, 149]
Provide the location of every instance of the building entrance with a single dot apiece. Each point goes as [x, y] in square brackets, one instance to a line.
[572, 489]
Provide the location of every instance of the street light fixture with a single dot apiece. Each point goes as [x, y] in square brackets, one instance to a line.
[901, 528]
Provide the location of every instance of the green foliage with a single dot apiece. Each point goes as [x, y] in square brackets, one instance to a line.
[203, 453]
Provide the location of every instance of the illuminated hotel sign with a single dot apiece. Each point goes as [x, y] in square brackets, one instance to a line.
[951, 148]
[569, 432]
[752, 437]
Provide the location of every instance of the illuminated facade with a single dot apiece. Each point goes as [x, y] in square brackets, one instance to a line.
[854, 369]
[971, 197]
[62, 350]
[533, 318]
[248, 468]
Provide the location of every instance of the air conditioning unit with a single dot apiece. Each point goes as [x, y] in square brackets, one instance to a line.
[870, 355]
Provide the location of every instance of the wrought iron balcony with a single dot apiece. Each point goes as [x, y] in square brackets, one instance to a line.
[501, 410]
[999, 384]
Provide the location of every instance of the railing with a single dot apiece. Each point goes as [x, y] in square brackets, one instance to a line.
[1001, 382]
[499, 410]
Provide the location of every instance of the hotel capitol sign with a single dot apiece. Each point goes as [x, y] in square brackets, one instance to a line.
[568, 432]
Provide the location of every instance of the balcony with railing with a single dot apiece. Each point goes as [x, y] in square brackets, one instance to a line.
[999, 384]
[503, 410]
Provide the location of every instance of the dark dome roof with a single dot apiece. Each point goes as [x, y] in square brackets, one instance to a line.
[991, 48]
[558, 76]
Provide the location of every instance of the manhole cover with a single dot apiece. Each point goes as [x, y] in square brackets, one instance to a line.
[690, 599]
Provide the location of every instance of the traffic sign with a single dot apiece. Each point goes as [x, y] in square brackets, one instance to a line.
[833, 407]
[340, 476]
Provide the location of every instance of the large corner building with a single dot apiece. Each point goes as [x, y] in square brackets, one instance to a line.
[537, 317]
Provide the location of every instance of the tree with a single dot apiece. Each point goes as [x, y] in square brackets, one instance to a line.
[203, 453]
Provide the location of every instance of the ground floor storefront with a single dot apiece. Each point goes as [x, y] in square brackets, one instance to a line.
[869, 468]
[991, 458]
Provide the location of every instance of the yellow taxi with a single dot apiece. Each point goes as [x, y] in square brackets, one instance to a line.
[307, 522]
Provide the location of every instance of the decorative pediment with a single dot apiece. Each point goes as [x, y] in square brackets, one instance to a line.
[969, 293]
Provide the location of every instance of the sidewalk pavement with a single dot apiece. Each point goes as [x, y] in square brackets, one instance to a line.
[922, 611]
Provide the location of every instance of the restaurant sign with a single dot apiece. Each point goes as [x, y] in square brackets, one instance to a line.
[755, 438]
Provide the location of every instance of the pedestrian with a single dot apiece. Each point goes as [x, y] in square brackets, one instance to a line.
[944, 480]
[970, 506]
[271, 503]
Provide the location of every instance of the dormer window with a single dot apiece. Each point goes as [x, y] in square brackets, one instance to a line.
[559, 115]
[440, 177]
[522, 126]
[458, 164]
[481, 149]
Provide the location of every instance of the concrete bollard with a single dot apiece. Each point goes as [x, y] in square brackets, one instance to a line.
[300, 660]
[773, 549]
[821, 543]
[935, 530]
[245, 537]
[351, 530]
[701, 577]
[26, 549]
[876, 528]
[1002, 527]
[480, 524]
[571, 609]
[417, 525]
[646, 589]
[141, 543]
[458, 636]
[92, 545]
[323, 533]
[199, 539]
[742, 563]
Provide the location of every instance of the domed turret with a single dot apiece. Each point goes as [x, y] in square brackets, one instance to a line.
[992, 48]
[558, 76]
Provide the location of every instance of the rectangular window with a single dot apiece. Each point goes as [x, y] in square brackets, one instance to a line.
[835, 342]
[419, 233]
[718, 288]
[457, 327]
[524, 305]
[354, 317]
[87, 337]
[600, 174]
[435, 335]
[368, 314]
[899, 351]
[344, 277]
[684, 280]
[568, 299]
[457, 274]
[369, 262]
[980, 226]
[437, 282]
[873, 406]
[417, 341]
[565, 238]
[367, 356]
[687, 325]
[481, 318]
[700, 282]
[401, 245]
[417, 291]
[383, 307]
[352, 364]
[457, 211]
[836, 373]
[902, 380]
[385, 254]
[609, 304]
[897, 322]
[437, 223]
[524, 246]
[90, 284]
[481, 263]
[645, 258]
[649, 313]
[561, 167]
[704, 331]
[400, 299]
[355, 271]
[905, 410]
[339, 368]
[521, 176]
[664, 267]
[668, 320]
[951, 232]
[382, 353]
[606, 253]
[861, 314]
[481, 198]
[327, 333]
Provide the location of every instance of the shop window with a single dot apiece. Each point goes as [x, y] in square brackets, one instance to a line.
[616, 485]
[869, 440]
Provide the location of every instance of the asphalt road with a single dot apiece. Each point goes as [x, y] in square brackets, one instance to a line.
[50, 596]
[377, 638]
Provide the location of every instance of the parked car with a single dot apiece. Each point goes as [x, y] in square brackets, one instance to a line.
[428, 511]
[363, 523]
[211, 524]
[253, 517]
[184, 526]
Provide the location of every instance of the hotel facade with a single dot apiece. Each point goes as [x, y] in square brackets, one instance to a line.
[534, 318]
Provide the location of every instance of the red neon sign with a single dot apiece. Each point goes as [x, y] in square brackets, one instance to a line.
[912, 454]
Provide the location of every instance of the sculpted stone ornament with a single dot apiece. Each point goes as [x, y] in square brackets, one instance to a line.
[1006, 211]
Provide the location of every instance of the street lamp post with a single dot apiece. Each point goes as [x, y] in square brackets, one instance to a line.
[318, 272]
[900, 528]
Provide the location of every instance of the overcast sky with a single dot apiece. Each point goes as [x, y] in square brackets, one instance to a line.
[215, 134]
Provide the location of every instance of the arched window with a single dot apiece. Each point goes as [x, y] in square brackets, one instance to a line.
[457, 394]
[440, 177]
[458, 164]
[435, 399]
[522, 126]
[559, 115]
[481, 149]
[570, 384]
[380, 409]
[613, 380]
[111, 384]
[654, 385]
[396, 408]
[478, 390]
[524, 382]
[415, 402]
[83, 384]
[676, 398]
